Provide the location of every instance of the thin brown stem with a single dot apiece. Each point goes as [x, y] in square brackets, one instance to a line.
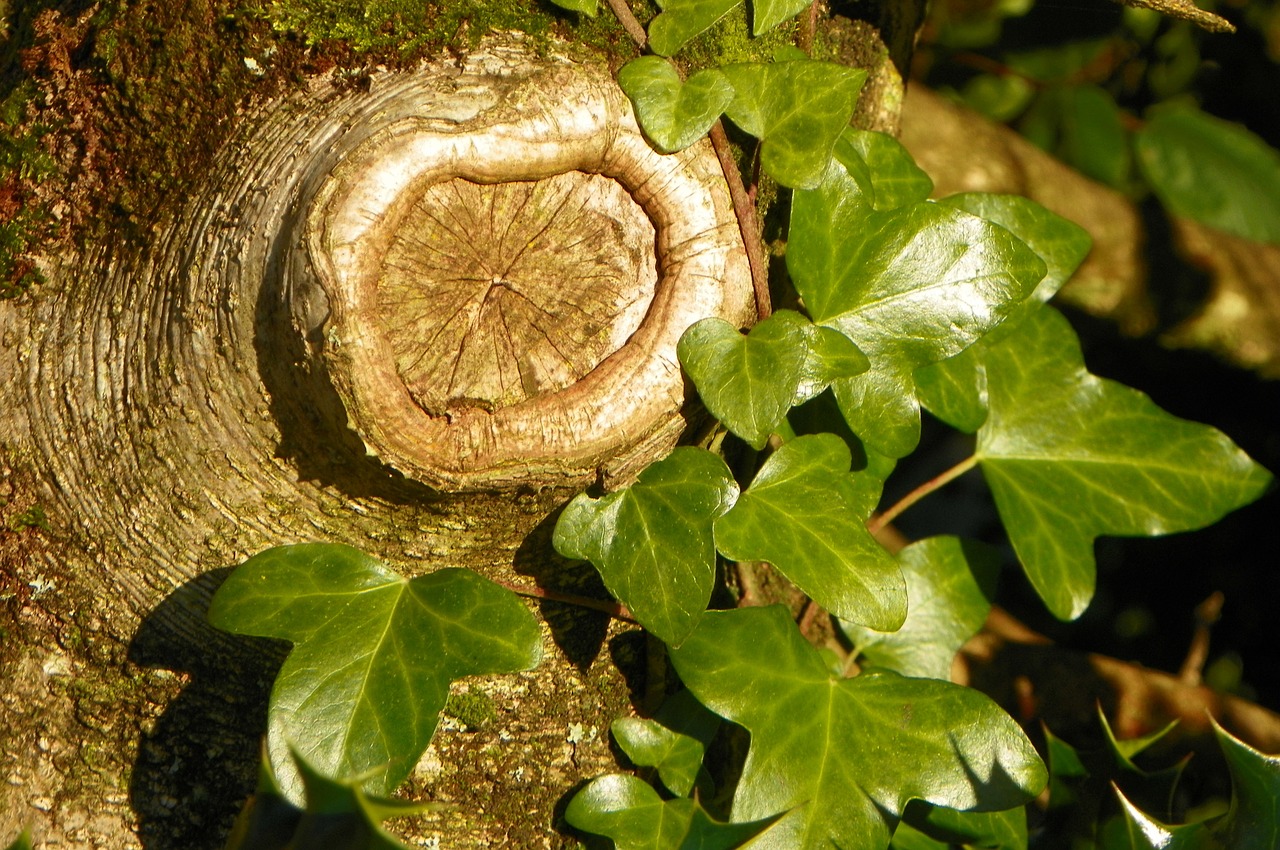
[808, 28]
[748, 224]
[881, 520]
[634, 28]
[616, 610]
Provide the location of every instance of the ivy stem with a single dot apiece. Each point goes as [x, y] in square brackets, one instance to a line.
[616, 610]
[881, 520]
[808, 28]
[629, 23]
[748, 225]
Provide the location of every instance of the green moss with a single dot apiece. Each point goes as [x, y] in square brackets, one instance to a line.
[24, 163]
[32, 517]
[474, 709]
[730, 40]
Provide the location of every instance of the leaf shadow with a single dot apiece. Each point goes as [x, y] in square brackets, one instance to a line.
[197, 762]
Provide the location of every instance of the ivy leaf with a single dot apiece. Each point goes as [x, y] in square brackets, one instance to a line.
[950, 583]
[586, 7]
[910, 287]
[955, 390]
[797, 109]
[767, 14]
[674, 114]
[883, 165]
[22, 842]
[749, 383]
[336, 814]
[1005, 830]
[820, 740]
[652, 542]
[1070, 456]
[1212, 171]
[806, 514]
[373, 656]
[673, 741]
[681, 20]
[630, 812]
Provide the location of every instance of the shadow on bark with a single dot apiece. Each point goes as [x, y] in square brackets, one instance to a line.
[198, 761]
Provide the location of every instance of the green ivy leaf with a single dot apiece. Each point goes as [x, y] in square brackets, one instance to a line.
[749, 383]
[955, 389]
[673, 114]
[337, 814]
[883, 164]
[797, 109]
[910, 287]
[373, 656]
[820, 740]
[806, 514]
[1005, 830]
[22, 842]
[681, 20]
[586, 7]
[651, 542]
[1070, 456]
[630, 812]
[950, 583]
[767, 14]
[673, 741]
[1212, 171]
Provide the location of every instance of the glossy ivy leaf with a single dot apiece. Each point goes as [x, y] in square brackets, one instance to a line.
[806, 514]
[673, 114]
[820, 740]
[681, 20]
[586, 7]
[673, 741]
[1069, 457]
[880, 163]
[630, 812]
[950, 583]
[750, 382]
[910, 287]
[337, 815]
[22, 842]
[651, 542]
[1253, 821]
[1212, 171]
[1147, 833]
[797, 108]
[374, 654]
[1004, 830]
[955, 389]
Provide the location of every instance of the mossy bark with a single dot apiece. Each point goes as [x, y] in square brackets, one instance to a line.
[170, 427]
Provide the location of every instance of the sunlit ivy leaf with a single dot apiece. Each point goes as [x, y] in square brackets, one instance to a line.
[797, 109]
[1070, 456]
[1212, 171]
[749, 383]
[630, 812]
[22, 842]
[955, 389]
[673, 114]
[1147, 833]
[894, 178]
[681, 20]
[767, 14]
[1005, 830]
[806, 514]
[950, 583]
[822, 740]
[910, 286]
[652, 541]
[336, 814]
[673, 741]
[587, 7]
[1253, 821]
[907, 837]
[374, 654]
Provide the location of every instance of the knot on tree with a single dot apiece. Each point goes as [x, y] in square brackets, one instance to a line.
[507, 267]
